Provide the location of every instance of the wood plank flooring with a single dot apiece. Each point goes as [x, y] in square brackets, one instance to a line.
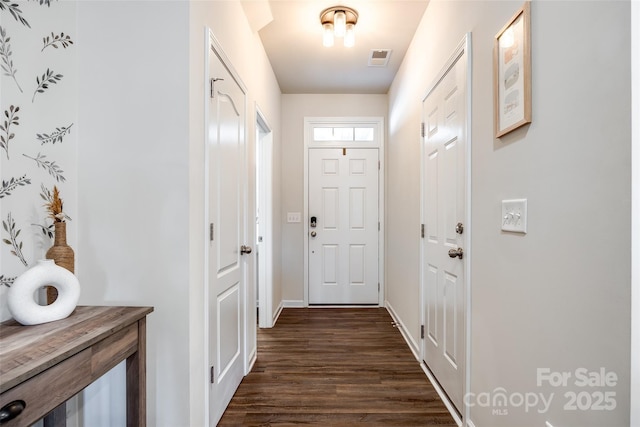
[335, 367]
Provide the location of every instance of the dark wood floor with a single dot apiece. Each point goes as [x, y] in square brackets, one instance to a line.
[335, 367]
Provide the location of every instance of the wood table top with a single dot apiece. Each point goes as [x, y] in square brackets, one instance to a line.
[25, 351]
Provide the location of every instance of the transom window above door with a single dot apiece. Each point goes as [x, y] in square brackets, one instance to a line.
[344, 132]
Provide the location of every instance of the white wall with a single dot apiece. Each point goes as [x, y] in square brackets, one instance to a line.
[558, 297]
[133, 188]
[294, 109]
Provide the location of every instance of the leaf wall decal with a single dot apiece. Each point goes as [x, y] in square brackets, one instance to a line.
[14, 10]
[5, 55]
[62, 39]
[50, 166]
[55, 136]
[11, 118]
[8, 186]
[49, 77]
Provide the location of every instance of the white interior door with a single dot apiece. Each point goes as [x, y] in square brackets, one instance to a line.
[226, 139]
[443, 198]
[343, 242]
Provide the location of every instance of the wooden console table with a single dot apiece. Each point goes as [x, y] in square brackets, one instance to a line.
[43, 366]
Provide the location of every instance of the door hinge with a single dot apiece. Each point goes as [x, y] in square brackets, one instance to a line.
[378, 225]
[422, 331]
[378, 287]
[212, 375]
[378, 164]
[422, 129]
[211, 232]
[211, 82]
[422, 230]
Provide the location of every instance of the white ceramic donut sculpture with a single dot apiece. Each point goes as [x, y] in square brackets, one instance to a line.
[20, 297]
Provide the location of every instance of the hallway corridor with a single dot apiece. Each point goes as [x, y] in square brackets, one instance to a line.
[335, 367]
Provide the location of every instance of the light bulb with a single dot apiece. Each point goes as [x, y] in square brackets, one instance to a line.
[339, 23]
[350, 35]
[327, 35]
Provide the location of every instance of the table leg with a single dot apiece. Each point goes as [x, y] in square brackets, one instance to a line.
[137, 380]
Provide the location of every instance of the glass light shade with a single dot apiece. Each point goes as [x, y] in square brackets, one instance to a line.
[350, 35]
[339, 23]
[327, 35]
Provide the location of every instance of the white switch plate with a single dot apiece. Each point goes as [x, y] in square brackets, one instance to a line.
[293, 216]
[514, 215]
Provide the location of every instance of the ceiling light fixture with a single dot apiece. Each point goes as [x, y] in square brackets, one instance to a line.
[339, 21]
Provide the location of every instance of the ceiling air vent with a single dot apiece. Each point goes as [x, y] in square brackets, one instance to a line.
[379, 57]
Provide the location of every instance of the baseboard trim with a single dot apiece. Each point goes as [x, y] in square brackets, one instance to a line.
[292, 303]
[413, 346]
[442, 394]
[276, 316]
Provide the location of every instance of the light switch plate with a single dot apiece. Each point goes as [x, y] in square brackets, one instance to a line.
[514, 215]
[293, 217]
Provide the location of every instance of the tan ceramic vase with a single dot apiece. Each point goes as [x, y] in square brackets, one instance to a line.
[61, 254]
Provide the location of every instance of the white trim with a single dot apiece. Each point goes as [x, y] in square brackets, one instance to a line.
[290, 303]
[463, 48]
[265, 292]
[442, 394]
[379, 143]
[413, 346]
[276, 315]
[635, 214]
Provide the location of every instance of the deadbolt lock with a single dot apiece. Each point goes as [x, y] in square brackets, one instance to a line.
[459, 228]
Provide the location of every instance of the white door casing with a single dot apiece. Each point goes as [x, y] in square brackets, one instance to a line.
[264, 244]
[444, 197]
[343, 241]
[368, 132]
[226, 211]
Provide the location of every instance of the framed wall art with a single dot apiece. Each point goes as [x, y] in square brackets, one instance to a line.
[512, 73]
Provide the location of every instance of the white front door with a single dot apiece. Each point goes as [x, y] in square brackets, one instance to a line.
[443, 198]
[226, 140]
[343, 226]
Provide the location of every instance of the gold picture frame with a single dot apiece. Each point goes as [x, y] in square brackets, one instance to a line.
[512, 73]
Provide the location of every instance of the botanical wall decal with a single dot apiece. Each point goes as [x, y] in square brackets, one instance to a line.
[5, 55]
[37, 145]
[8, 186]
[55, 136]
[14, 10]
[50, 166]
[43, 82]
[55, 40]
[10, 118]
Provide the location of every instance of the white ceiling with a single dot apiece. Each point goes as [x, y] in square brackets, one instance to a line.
[293, 42]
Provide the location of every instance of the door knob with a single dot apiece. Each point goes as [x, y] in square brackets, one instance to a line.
[245, 249]
[453, 253]
[313, 233]
[459, 228]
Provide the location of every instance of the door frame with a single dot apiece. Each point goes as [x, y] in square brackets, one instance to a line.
[378, 123]
[213, 47]
[463, 48]
[265, 207]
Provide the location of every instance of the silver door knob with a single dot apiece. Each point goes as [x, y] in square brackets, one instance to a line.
[459, 228]
[453, 253]
[313, 233]
[245, 249]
